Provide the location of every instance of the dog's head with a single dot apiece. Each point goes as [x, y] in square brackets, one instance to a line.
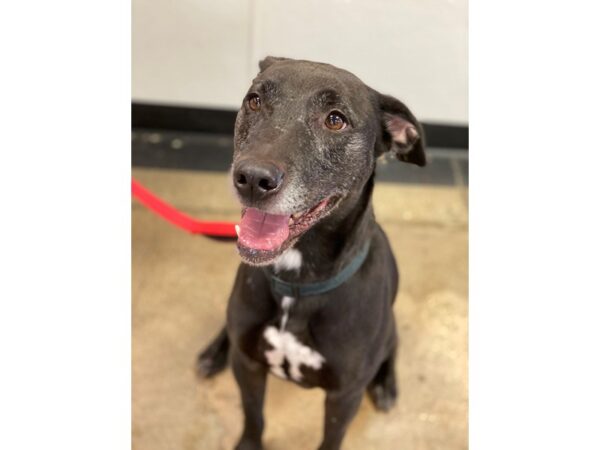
[306, 138]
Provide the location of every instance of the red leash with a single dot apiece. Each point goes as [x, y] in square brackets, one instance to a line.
[169, 213]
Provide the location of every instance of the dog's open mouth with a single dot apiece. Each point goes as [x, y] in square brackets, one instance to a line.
[263, 236]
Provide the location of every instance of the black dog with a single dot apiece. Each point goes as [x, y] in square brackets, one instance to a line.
[312, 300]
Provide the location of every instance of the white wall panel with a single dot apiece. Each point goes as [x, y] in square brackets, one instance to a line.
[205, 53]
[413, 49]
[190, 51]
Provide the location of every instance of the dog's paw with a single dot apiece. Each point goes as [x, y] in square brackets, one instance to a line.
[246, 444]
[383, 396]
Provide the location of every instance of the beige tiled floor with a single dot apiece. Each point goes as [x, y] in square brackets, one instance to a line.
[180, 286]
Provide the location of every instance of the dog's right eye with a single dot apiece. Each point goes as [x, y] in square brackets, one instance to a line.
[336, 121]
[254, 102]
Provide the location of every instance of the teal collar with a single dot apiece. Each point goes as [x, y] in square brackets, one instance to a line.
[297, 290]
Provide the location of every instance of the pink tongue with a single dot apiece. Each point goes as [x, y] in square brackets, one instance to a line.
[262, 231]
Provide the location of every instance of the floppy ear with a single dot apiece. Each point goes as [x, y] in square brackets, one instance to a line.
[269, 61]
[401, 131]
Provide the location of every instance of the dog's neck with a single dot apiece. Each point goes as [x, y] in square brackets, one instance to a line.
[330, 245]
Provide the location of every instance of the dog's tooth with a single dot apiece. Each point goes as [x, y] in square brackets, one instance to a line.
[237, 230]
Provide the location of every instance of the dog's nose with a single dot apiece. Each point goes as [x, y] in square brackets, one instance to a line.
[256, 180]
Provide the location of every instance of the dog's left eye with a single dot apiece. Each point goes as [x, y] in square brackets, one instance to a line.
[336, 121]
[254, 102]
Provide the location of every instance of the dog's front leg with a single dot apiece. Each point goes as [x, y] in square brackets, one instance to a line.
[252, 379]
[340, 408]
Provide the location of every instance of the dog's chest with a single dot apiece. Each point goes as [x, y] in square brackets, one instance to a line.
[286, 352]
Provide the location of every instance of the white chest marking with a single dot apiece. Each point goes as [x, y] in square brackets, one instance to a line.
[291, 259]
[287, 347]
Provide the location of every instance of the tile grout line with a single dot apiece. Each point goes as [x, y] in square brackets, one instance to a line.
[459, 180]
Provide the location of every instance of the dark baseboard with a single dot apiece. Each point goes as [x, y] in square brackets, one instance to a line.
[446, 136]
[219, 121]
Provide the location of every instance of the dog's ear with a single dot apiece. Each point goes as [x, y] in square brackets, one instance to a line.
[401, 131]
[269, 61]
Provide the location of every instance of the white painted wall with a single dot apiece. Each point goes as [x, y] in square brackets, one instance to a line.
[204, 53]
